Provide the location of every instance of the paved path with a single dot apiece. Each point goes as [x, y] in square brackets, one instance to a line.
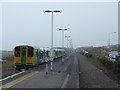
[92, 77]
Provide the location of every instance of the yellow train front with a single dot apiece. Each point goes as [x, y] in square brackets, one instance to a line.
[26, 56]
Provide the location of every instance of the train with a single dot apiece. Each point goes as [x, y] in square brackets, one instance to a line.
[27, 56]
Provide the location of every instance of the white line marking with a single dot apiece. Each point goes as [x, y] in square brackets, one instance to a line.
[65, 81]
[12, 76]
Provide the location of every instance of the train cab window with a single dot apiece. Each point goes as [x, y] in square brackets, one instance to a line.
[30, 51]
[17, 51]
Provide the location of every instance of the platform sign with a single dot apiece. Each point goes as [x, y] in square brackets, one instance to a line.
[51, 54]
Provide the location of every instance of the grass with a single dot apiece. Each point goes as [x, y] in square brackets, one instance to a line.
[9, 65]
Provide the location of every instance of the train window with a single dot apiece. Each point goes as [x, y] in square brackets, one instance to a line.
[17, 51]
[41, 55]
[30, 51]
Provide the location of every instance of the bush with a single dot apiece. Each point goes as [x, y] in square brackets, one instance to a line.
[117, 64]
[103, 60]
[101, 56]
[89, 55]
[109, 64]
[116, 70]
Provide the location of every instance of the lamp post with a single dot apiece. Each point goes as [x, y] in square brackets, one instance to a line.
[63, 36]
[67, 39]
[63, 41]
[50, 11]
[51, 50]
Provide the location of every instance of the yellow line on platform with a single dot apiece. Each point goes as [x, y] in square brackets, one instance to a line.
[8, 85]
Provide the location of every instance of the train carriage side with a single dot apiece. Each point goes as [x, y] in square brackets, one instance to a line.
[47, 51]
[42, 55]
[36, 52]
[59, 53]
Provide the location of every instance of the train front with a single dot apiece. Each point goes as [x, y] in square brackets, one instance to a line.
[24, 57]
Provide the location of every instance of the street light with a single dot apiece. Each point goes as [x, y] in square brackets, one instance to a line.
[63, 36]
[67, 39]
[50, 11]
[51, 50]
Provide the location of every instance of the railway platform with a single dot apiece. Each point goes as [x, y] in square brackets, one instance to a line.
[38, 79]
[63, 76]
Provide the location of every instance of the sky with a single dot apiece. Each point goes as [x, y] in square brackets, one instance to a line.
[88, 23]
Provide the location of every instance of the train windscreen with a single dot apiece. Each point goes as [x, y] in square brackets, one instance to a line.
[17, 51]
[30, 51]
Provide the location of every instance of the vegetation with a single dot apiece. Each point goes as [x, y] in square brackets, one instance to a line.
[111, 68]
[9, 64]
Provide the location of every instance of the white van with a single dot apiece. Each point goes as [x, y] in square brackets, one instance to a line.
[113, 54]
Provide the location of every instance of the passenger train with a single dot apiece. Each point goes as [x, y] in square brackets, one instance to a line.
[26, 56]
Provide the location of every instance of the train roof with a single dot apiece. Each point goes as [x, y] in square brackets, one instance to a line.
[42, 48]
[24, 45]
[36, 47]
[47, 48]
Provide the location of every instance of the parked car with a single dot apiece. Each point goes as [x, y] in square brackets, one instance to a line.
[113, 54]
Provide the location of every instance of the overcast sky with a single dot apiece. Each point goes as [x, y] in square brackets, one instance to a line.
[88, 24]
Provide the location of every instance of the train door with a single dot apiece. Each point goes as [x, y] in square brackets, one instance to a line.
[37, 55]
[23, 60]
[44, 55]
